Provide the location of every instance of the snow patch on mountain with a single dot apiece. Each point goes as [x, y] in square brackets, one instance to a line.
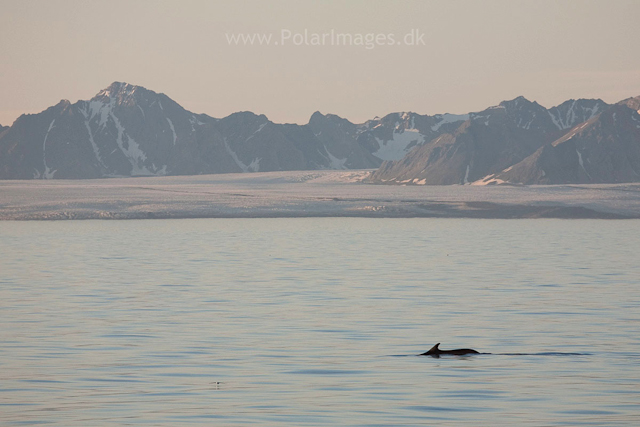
[448, 118]
[483, 115]
[103, 110]
[489, 180]
[254, 166]
[572, 116]
[194, 121]
[258, 130]
[48, 173]
[173, 130]
[403, 141]
[336, 163]
[526, 125]
[582, 163]
[132, 150]
[96, 151]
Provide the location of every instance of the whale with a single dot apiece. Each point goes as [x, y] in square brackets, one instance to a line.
[436, 352]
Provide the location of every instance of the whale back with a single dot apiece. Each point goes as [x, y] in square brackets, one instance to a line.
[436, 352]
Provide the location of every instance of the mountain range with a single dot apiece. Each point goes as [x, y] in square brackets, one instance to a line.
[127, 130]
[521, 142]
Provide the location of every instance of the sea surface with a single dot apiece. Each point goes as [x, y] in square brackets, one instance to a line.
[314, 322]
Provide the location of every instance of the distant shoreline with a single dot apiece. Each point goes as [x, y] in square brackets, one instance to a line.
[303, 194]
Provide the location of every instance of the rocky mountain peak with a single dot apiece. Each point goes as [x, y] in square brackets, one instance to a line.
[316, 117]
[319, 121]
[633, 103]
[519, 103]
[120, 93]
[245, 117]
[575, 111]
[62, 105]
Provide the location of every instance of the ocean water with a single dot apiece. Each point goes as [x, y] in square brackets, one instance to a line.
[310, 322]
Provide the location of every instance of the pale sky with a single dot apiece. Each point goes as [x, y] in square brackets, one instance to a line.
[475, 54]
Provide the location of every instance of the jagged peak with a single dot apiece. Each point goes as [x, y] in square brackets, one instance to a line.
[580, 101]
[121, 92]
[316, 116]
[126, 94]
[116, 88]
[633, 102]
[517, 102]
[391, 117]
[340, 121]
[619, 108]
[400, 115]
[247, 115]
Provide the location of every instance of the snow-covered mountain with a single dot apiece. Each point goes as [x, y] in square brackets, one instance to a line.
[519, 141]
[485, 143]
[396, 134]
[573, 112]
[124, 130]
[603, 149]
[127, 130]
[338, 137]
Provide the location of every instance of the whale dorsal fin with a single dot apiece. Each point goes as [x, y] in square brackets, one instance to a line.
[434, 349]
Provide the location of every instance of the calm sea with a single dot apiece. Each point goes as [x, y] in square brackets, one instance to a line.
[309, 322]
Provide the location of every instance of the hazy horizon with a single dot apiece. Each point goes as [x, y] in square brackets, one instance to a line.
[474, 55]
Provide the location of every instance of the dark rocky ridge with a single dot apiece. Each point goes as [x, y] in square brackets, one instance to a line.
[127, 130]
[521, 142]
[604, 149]
[633, 103]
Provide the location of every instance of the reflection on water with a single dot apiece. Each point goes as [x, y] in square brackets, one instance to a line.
[298, 321]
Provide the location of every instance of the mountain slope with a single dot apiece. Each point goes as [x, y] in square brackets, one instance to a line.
[604, 149]
[521, 142]
[573, 112]
[127, 130]
[633, 103]
[396, 134]
[338, 138]
[486, 143]
[124, 130]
